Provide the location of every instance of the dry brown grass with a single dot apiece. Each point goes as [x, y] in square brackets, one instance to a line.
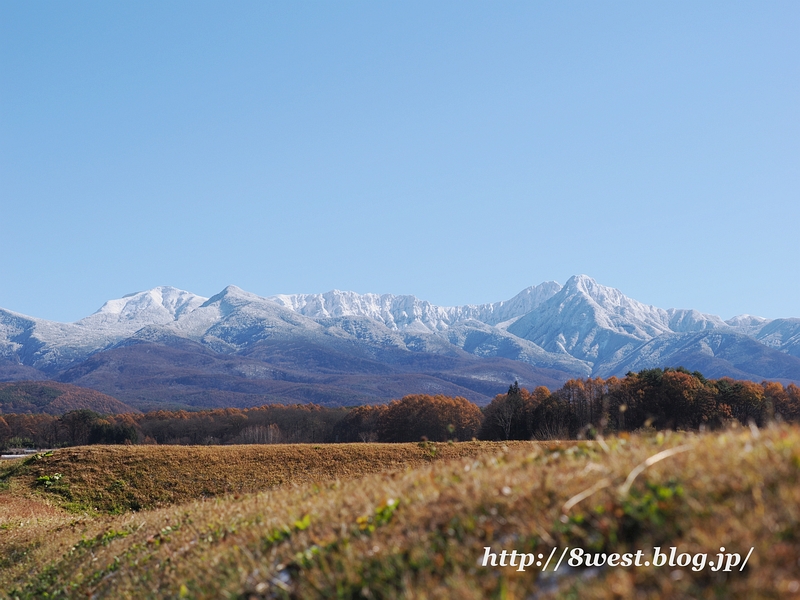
[115, 479]
[100, 480]
[343, 538]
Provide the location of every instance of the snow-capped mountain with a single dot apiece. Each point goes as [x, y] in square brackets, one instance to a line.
[130, 313]
[409, 313]
[45, 344]
[546, 333]
[715, 353]
[235, 319]
[783, 334]
[596, 323]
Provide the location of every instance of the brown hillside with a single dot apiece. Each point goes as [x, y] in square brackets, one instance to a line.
[120, 478]
[187, 375]
[55, 398]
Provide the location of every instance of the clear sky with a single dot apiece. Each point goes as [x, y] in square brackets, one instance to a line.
[456, 151]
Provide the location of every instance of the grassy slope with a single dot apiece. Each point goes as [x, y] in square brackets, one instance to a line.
[419, 532]
[115, 479]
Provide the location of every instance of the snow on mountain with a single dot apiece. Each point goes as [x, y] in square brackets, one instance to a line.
[484, 340]
[15, 330]
[240, 320]
[50, 345]
[409, 313]
[682, 320]
[580, 328]
[500, 312]
[425, 327]
[158, 306]
[715, 353]
[596, 323]
[747, 324]
[234, 319]
[782, 334]
[396, 312]
[44, 344]
[364, 330]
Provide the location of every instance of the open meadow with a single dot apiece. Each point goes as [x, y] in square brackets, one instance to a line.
[407, 520]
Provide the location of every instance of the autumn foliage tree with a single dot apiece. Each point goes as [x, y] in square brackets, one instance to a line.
[360, 424]
[512, 416]
[785, 402]
[436, 418]
[662, 398]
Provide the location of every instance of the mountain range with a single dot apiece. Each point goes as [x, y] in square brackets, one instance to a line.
[166, 347]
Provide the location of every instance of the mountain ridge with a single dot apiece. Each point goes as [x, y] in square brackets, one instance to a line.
[549, 331]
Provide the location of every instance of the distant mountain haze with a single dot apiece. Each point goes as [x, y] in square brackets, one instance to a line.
[169, 347]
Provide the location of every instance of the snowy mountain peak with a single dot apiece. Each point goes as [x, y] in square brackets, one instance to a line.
[159, 305]
[604, 296]
[597, 323]
[521, 304]
[230, 299]
[746, 320]
[233, 295]
[580, 280]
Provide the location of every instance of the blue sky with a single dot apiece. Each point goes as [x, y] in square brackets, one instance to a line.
[452, 150]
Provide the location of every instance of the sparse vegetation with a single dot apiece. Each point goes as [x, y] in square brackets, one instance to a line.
[418, 531]
[116, 479]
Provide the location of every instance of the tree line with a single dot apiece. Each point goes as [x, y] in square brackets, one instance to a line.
[652, 398]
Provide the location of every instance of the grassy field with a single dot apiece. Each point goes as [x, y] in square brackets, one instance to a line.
[405, 520]
[117, 479]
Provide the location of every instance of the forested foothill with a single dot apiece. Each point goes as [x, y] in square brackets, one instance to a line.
[653, 399]
[55, 398]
